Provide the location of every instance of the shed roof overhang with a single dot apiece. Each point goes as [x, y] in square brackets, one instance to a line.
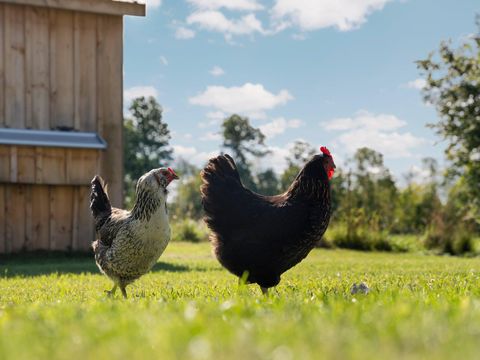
[110, 7]
[65, 139]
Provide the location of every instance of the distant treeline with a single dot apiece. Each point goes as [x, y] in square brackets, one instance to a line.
[369, 206]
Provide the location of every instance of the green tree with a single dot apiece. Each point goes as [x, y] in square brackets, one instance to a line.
[338, 186]
[242, 139]
[453, 87]
[418, 204]
[146, 141]
[374, 188]
[267, 182]
[188, 202]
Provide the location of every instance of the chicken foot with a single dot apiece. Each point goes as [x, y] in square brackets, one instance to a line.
[111, 293]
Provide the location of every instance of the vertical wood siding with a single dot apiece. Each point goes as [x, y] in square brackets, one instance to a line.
[58, 70]
[110, 100]
[45, 217]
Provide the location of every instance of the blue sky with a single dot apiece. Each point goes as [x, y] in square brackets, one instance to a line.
[339, 73]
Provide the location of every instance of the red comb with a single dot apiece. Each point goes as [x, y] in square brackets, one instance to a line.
[324, 150]
[170, 170]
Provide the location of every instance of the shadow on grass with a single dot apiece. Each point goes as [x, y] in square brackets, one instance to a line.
[43, 263]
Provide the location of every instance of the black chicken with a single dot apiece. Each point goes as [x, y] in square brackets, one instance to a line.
[260, 237]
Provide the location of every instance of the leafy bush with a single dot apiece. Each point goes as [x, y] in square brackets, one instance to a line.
[359, 238]
[359, 232]
[189, 230]
[450, 236]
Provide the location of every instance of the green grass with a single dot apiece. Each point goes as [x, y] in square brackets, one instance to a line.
[190, 308]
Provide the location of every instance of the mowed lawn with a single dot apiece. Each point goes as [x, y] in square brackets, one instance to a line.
[190, 308]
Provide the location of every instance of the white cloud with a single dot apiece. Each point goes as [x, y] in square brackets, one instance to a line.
[211, 136]
[216, 21]
[164, 60]
[276, 159]
[418, 84]
[419, 175]
[241, 5]
[216, 115]
[249, 99]
[137, 91]
[380, 132]
[364, 119]
[317, 14]
[184, 33]
[304, 15]
[214, 118]
[190, 153]
[217, 71]
[279, 126]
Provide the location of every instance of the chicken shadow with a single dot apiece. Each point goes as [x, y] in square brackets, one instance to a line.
[62, 263]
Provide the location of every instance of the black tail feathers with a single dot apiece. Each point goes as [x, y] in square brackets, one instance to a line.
[99, 201]
[221, 166]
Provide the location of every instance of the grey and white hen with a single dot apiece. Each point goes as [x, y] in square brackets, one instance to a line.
[129, 243]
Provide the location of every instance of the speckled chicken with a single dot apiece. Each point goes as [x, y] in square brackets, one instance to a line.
[129, 243]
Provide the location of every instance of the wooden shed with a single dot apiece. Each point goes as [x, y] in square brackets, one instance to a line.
[61, 89]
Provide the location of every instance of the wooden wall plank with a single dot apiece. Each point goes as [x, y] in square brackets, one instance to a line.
[27, 71]
[39, 165]
[14, 45]
[40, 218]
[2, 66]
[26, 164]
[15, 223]
[8, 225]
[61, 70]
[13, 164]
[81, 166]
[75, 223]
[48, 166]
[4, 163]
[54, 165]
[86, 232]
[85, 32]
[28, 244]
[3, 220]
[37, 68]
[61, 209]
[110, 101]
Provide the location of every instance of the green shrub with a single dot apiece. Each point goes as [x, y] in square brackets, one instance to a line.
[358, 238]
[449, 236]
[406, 242]
[359, 231]
[189, 230]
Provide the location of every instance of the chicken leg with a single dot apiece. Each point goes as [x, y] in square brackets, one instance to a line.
[111, 293]
[124, 292]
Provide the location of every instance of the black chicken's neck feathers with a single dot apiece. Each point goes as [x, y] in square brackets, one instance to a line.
[311, 182]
